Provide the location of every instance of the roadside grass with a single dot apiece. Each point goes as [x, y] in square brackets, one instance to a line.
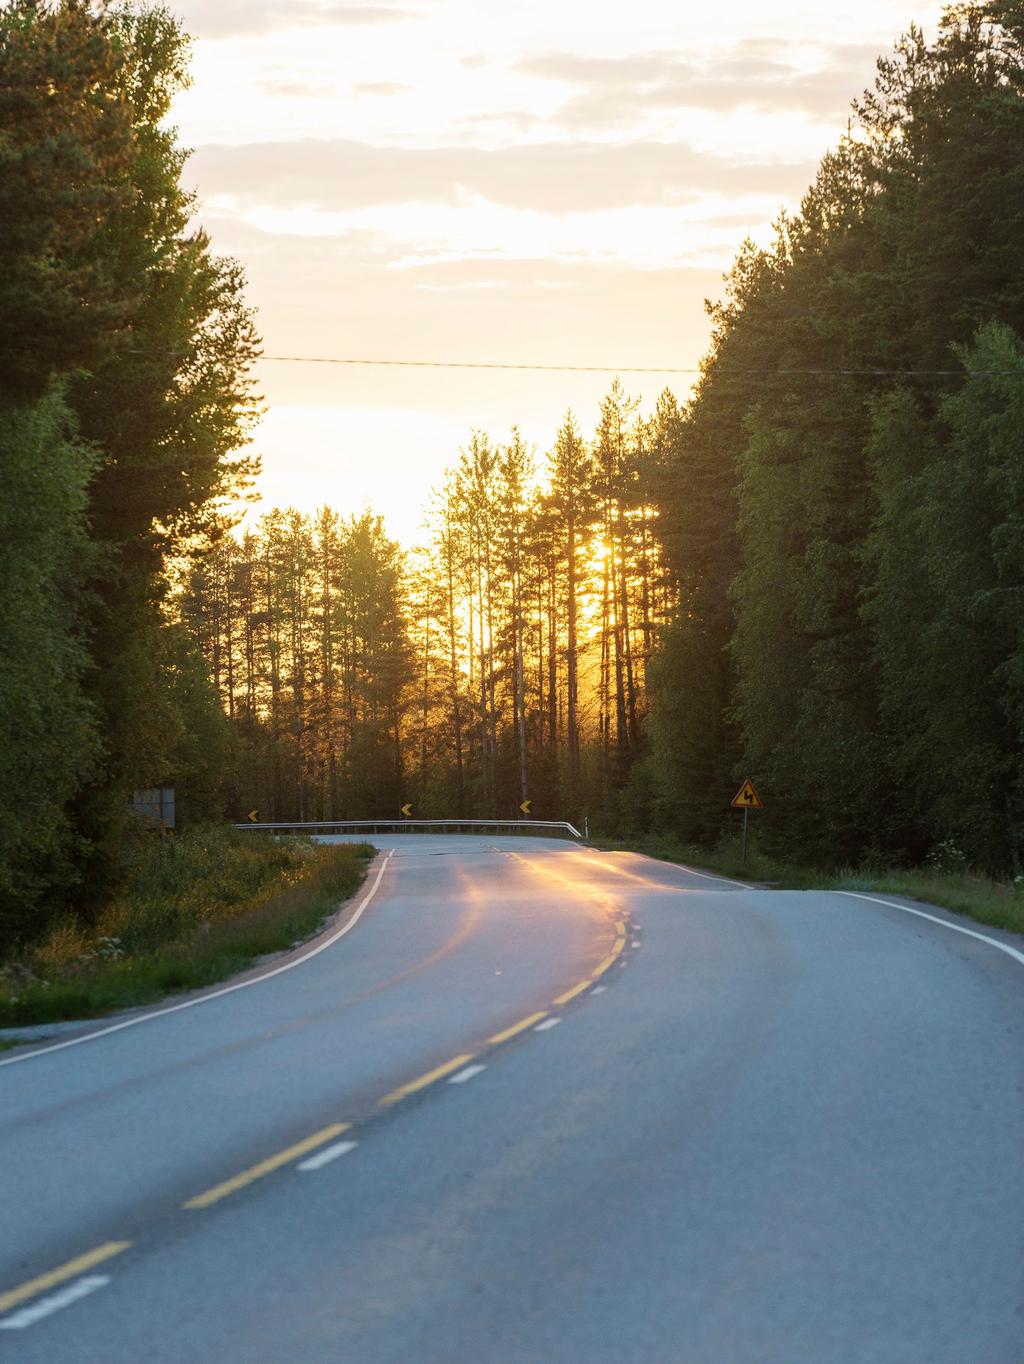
[195, 910]
[998, 903]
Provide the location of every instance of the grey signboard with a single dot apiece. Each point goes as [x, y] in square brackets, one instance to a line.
[157, 804]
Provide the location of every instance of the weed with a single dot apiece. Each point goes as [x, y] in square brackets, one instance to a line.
[195, 910]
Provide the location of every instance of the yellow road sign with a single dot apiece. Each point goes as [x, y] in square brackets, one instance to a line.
[525, 807]
[746, 798]
[253, 816]
[407, 809]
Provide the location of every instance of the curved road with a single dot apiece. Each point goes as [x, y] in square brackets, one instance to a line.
[539, 1103]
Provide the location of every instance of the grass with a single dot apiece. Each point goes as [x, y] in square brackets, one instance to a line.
[195, 910]
[999, 903]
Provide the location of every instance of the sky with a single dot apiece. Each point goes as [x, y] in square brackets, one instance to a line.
[538, 182]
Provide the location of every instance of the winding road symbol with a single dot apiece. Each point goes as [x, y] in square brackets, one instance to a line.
[746, 798]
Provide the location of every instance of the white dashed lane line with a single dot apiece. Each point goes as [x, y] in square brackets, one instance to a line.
[548, 1023]
[324, 1157]
[45, 1307]
[467, 1074]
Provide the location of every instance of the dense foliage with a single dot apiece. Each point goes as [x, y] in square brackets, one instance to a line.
[124, 348]
[844, 502]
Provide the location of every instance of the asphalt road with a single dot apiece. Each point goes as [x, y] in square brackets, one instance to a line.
[540, 1103]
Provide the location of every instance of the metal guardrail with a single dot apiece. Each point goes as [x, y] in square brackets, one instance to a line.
[379, 826]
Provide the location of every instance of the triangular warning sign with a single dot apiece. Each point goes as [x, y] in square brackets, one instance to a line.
[746, 798]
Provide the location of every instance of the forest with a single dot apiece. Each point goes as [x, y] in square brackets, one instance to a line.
[125, 349]
[808, 571]
[503, 661]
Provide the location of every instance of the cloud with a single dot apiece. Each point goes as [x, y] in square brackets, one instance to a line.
[238, 18]
[297, 89]
[334, 175]
[340, 299]
[768, 75]
[380, 88]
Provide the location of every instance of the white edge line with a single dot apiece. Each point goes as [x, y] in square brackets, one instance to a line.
[944, 923]
[215, 994]
[45, 1307]
[708, 876]
[466, 1074]
[324, 1157]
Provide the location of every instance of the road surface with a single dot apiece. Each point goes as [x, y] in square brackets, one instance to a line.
[539, 1103]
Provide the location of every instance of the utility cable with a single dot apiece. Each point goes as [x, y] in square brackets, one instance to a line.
[626, 369]
[712, 370]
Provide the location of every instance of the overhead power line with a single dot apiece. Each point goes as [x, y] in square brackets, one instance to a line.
[717, 370]
[480, 364]
[625, 369]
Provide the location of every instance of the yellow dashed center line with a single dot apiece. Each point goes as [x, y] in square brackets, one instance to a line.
[265, 1167]
[521, 1026]
[610, 959]
[456, 1063]
[571, 994]
[60, 1275]
[32, 1287]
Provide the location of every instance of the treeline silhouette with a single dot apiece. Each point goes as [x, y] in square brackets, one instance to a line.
[505, 661]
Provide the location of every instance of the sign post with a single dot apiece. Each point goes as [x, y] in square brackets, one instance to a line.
[746, 799]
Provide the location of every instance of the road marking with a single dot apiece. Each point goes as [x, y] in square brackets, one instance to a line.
[548, 1023]
[28, 1316]
[265, 1167]
[340, 1148]
[708, 877]
[609, 961]
[215, 994]
[660, 885]
[944, 923]
[437, 1074]
[466, 1074]
[521, 1026]
[571, 994]
[599, 989]
[61, 1274]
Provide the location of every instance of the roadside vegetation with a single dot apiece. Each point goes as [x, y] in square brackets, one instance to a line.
[943, 880]
[192, 911]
